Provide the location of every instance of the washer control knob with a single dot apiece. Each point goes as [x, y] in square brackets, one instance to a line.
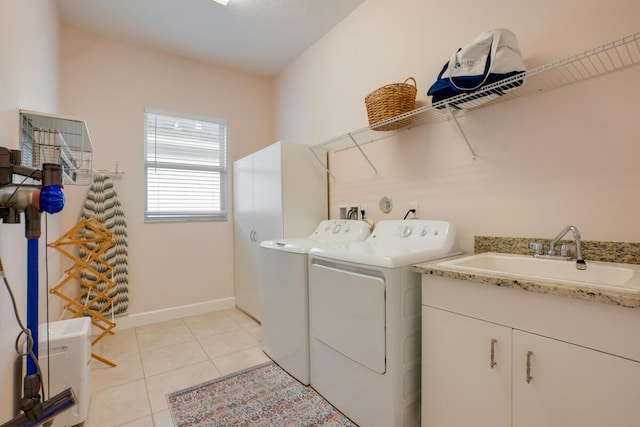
[424, 231]
[405, 231]
[337, 228]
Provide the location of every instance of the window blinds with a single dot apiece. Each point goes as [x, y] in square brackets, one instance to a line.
[185, 168]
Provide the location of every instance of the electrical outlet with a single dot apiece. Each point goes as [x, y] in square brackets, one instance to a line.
[416, 206]
[363, 208]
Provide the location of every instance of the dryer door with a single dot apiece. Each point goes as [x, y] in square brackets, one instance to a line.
[347, 312]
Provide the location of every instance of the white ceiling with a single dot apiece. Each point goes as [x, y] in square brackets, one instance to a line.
[261, 36]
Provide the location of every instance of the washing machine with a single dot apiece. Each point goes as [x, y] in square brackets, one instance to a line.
[284, 292]
[365, 320]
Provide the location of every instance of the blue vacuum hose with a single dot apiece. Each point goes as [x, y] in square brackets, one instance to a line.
[32, 299]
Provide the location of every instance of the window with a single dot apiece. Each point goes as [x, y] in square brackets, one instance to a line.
[185, 168]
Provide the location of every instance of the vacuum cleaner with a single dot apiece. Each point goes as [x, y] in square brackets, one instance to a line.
[32, 200]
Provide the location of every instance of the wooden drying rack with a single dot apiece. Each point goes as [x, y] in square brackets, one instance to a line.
[94, 239]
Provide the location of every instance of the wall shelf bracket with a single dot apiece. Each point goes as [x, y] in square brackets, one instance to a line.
[326, 167]
[364, 155]
[464, 136]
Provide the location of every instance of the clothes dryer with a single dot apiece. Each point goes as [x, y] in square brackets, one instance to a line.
[284, 292]
[365, 320]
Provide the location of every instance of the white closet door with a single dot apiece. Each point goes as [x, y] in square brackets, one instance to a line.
[258, 219]
[267, 193]
[245, 259]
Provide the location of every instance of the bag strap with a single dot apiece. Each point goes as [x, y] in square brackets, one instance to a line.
[487, 69]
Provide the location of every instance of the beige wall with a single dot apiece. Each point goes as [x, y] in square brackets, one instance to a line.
[569, 156]
[28, 80]
[109, 84]
[545, 161]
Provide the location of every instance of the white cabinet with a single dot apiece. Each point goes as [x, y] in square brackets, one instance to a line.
[571, 385]
[480, 368]
[466, 371]
[278, 192]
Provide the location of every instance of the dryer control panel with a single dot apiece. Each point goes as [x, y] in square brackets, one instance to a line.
[396, 243]
[412, 229]
[341, 229]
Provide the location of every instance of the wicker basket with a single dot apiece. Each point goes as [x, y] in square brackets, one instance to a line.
[391, 101]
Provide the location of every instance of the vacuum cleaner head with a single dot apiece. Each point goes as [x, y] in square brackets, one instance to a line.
[43, 413]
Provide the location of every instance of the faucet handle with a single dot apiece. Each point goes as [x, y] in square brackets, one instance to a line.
[538, 248]
[567, 250]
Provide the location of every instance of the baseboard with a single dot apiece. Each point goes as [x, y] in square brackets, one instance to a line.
[149, 317]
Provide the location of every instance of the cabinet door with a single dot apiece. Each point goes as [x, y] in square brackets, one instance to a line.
[460, 384]
[572, 385]
[263, 221]
[245, 258]
[267, 193]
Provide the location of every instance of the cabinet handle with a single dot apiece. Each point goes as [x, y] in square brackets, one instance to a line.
[493, 353]
[252, 236]
[529, 377]
[255, 234]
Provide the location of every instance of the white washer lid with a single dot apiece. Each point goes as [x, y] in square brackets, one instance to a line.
[301, 245]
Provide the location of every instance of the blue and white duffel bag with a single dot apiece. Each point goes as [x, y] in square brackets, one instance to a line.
[493, 56]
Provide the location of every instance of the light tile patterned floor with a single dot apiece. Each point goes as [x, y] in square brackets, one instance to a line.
[164, 357]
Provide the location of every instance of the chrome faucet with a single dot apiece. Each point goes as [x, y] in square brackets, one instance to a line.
[580, 263]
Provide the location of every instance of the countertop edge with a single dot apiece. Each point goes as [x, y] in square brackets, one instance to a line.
[544, 287]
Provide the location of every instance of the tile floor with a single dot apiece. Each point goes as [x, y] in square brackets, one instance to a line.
[157, 359]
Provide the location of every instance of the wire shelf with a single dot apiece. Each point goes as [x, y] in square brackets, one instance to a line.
[53, 139]
[613, 56]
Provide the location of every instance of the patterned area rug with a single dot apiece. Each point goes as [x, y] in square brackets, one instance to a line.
[264, 395]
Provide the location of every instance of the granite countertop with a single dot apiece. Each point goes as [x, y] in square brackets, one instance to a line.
[629, 253]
